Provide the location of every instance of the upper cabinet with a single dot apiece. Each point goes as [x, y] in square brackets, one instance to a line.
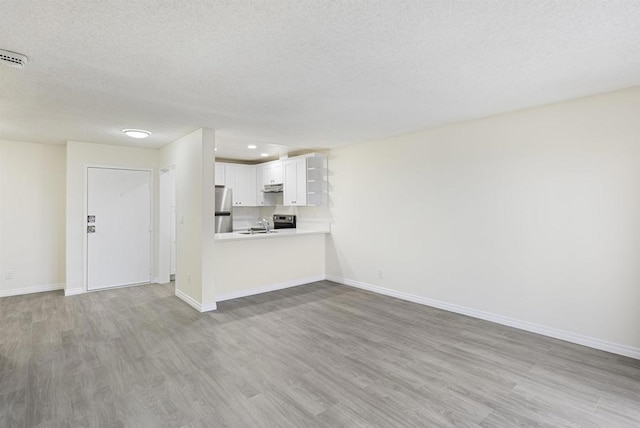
[242, 179]
[295, 181]
[263, 199]
[306, 180]
[272, 172]
[220, 179]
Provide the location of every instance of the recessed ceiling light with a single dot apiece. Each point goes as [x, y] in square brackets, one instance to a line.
[264, 155]
[252, 146]
[215, 149]
[136, 133]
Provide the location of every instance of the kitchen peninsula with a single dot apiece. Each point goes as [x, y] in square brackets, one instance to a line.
[253, 264]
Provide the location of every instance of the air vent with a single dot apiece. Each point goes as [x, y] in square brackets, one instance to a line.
[12, 59]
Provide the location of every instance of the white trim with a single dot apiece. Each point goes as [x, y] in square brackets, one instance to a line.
[591, 342]
[194, 303]
[209, 307]
[268, 288]
[188, 300]
[30, 290]
[73, 291]
[163, 263]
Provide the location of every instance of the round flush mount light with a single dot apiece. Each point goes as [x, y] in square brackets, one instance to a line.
[136, 133]
[264, 155]
[252, 146]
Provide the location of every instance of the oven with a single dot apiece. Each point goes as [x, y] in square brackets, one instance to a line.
[284, 221]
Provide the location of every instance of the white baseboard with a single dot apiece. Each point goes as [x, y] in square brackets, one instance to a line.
[269, 287]
[73, 291]
[209, 307]
[194, 303]
[30, 290]
[591, 342]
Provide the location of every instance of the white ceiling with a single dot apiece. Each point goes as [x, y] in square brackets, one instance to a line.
[300, 73]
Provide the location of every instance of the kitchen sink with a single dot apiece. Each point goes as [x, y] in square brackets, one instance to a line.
[256, 232]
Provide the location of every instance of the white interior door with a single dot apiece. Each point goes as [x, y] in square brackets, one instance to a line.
[119, 247]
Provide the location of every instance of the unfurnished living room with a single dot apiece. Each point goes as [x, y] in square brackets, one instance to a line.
[350, 213]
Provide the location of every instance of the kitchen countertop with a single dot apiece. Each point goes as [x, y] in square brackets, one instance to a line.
[279, 233]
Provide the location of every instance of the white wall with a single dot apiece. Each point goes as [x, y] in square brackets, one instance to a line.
[79, 155]
[32, 210]
[193, 157]
[533, 216]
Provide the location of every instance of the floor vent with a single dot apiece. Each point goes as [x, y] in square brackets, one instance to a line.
[12, 59]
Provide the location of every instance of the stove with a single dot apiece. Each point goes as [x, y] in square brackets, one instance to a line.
[284, 221]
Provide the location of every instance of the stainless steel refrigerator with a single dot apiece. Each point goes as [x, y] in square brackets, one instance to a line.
[223, 216]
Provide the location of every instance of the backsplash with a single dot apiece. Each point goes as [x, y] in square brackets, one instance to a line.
[317, 218]
[245, 217]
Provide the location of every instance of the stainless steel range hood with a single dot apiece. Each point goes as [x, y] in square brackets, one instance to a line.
[272, 188]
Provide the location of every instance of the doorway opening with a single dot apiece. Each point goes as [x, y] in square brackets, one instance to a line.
[167, 233]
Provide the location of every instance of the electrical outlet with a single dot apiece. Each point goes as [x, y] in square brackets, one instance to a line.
[380, 274]
[10, 274]
[188, 278]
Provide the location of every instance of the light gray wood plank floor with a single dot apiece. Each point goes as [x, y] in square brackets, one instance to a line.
[318, 355]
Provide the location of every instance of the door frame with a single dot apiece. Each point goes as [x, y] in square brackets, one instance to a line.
[85, 209]
[164, 231]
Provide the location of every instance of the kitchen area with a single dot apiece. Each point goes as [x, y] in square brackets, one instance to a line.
[271, 219]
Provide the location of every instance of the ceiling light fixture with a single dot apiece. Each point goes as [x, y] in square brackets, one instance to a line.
[252, 146]
[136, 133]
[12, 59]
[264, 155]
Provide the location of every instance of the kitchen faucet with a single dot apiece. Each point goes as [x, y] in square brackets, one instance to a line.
[265, 223]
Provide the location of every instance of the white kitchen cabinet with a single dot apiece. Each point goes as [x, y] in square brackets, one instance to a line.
[295, 182]
[259, 185]
[268, 173]
[262, 199]
[272, 172]
[219, 169]
[242, 179]
[306, 180]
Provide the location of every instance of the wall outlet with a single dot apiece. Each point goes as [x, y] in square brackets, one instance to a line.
[380, 274]
[10, 274]
[188, 278]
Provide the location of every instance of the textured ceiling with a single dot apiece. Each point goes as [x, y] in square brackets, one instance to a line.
[300, 73]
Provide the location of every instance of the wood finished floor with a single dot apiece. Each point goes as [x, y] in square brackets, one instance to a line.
[319, 355]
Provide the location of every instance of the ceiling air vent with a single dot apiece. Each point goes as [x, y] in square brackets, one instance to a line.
[12, 59]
